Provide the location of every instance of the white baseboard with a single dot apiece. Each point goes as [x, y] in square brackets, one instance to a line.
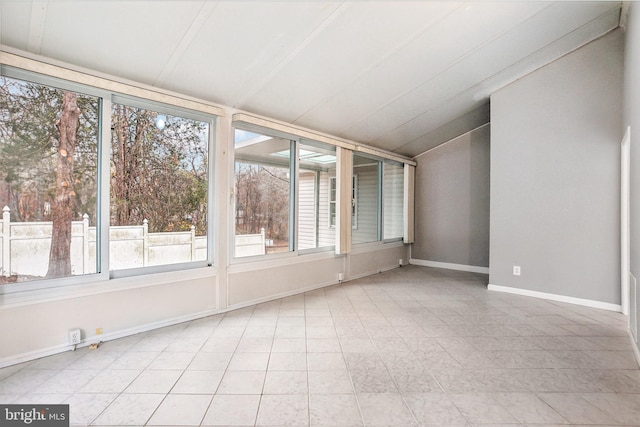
[554, 297]
[269, 298]
[450, 266]
[317, 286]
[37, 354]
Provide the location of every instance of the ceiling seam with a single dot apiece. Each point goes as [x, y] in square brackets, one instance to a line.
[503, 71]
[201, 18]
[269, 76]
[443, 71]
[381, 59]
[415, 158]
[36, 26]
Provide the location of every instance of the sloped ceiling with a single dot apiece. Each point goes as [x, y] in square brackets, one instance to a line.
[402, 76]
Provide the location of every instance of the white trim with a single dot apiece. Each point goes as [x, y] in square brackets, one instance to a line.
[451, 140]
[289, 128]
[274, 297]
[449, 266]
[49, 67]
[265, 263]
[555, 297]
[372, 272]
[45, 295]
[625, 214]
[636, 350]
[37, 354]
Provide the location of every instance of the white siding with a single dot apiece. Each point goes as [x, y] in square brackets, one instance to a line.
[326, 234]
[307, 210]
[393, 193]
[367, 200]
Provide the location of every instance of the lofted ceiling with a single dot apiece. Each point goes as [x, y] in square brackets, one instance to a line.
[403, 76]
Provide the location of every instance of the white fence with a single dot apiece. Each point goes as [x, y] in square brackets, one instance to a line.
[25, 246]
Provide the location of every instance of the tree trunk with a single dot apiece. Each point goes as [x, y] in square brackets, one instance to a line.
[62, 209]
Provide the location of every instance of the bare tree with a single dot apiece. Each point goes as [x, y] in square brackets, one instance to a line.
[63, 203]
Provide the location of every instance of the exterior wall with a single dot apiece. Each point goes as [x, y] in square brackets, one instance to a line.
[327, 234]
[452, 202]
[393, 199]
[307, 232]
[555, 176]
[632, 119]
[307, 210]
[367, 218]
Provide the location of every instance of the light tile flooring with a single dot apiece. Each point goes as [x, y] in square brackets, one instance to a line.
[414, 346]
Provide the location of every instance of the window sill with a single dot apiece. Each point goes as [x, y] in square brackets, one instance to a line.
[265, 263]
[40, 296]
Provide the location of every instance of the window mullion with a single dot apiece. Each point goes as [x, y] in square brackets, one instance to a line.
[103, 196]
[293, 191]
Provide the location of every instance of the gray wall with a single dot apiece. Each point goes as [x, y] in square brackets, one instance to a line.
[632, 118]
[555, 175]
[452, 201]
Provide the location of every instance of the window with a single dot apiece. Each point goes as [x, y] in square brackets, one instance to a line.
[316, 196]
[354, 201]
[159, 187]
[263, 194]
[49, 141]
[366, 207]
[57, 178]
[393, 195]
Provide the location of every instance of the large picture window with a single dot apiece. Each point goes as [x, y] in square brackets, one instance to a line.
[57, 177]
[264, 171]
[159, 179]
[49, 141]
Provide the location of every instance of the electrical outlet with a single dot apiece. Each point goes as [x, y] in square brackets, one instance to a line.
[516, 270]
[98, 331]
[75, 336]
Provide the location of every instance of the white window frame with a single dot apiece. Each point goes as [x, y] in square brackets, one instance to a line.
[188, 114]
[354, 201]
[105, 95]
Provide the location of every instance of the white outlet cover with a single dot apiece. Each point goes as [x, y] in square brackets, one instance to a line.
[75, 336]
[516, 270]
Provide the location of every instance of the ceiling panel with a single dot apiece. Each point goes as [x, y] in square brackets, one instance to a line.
[393, 74]
[426, 57]
[15, 23]
[241, 44]
[409, 116]
[132, 39]
[356, 40]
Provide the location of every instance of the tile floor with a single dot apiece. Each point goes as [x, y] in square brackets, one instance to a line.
[411, 347]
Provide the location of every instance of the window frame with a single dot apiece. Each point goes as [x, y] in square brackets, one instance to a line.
[105, 102]
[294, 146]
[354, 201]
[103, 97]
[135, 102]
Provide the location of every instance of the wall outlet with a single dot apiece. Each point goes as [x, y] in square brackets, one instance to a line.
[400, 262]
[340, 277]
[98, 331]
[516, 270]
[75, 336]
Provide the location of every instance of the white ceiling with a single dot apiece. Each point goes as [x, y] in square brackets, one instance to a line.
[399, 75]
